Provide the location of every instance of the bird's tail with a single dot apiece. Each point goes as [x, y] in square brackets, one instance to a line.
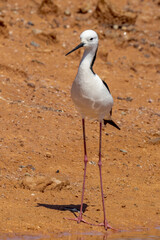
[111, 123]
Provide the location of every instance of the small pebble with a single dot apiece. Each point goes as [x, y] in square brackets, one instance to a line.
[122, 150]
[115, 27]
[153, 44]
[123, 113]
[92, 163]
[36, 31]
[66, 26]
[150, 100]
[124, 28]
[155, 140]
[31, 84]
[84, 9]
[34, 44]
[123, 206]
[135, 45]
[48, 155]
[128, 99]
[138, 165]
[30, 167]
[67, 12]
[30, 23]
[21, 166]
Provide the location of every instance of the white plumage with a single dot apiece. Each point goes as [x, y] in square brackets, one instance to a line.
[88, 92]
[91, 97]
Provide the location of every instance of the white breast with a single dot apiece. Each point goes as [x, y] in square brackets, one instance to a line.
[91, 96]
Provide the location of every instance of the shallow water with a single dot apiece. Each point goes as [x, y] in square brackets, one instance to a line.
[22, 237]
[137, 235]
[94, 235]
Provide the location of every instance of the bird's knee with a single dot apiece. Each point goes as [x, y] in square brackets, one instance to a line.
[99, 163]
[85, 159]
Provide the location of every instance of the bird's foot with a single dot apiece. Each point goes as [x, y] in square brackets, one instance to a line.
[107, 226]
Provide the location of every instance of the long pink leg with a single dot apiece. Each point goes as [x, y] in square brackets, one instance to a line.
[79, 218]
[106, 225]
[85, 167]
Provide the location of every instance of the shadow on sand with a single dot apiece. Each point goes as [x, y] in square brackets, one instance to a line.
[70, 207]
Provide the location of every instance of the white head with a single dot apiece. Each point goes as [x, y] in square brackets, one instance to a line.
[89, 39]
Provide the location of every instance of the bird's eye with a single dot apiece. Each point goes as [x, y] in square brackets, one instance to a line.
[91, 39]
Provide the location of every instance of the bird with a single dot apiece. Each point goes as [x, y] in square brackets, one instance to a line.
[93, 100]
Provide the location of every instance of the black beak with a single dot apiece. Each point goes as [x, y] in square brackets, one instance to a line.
[79, 46]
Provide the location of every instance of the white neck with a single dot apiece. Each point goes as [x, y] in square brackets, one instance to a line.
[87, 58]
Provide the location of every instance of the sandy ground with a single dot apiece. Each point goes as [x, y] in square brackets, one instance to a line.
[41, 134]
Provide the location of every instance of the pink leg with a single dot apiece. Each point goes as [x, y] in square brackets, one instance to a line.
[106, 225]
[85, 167]
[79, 218]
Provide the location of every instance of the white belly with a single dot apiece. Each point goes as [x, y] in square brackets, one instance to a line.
[92, 98]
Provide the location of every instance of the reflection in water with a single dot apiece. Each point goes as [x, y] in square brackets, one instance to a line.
[123, 235]
[91, 235]
[22, 237]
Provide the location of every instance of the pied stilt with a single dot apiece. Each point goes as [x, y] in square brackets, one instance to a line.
[93, 99]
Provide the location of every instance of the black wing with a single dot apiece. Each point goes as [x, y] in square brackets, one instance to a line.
[106, 86]
[111, 123]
